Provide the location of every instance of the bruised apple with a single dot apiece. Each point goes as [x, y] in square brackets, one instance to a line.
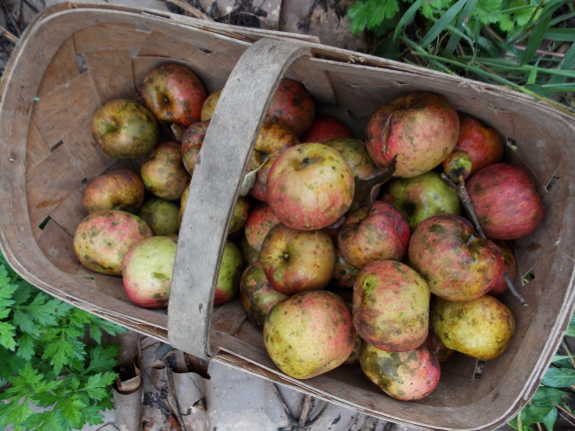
[164, 173]
[405, 376]
[174, 94]
[309, 333]
[421, 129]
[310, 186]
[391, 306]
[103, 238]
[457, 264]
[510, 261]
[161, 215]
[192, 141]
[147, 271]
[292, 106]
[260, 221]
[295, 260]
[124, 129]
[121, 190]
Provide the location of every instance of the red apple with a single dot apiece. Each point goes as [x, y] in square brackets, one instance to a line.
[310, 186]
[124, 129]
[377, 232]
[257, 294]
[391, 306]
[163, 172]
[505, 201]
[421, 197]
[260, 221]
[273, 140]
[457, 264]
[421, 129]
[294, 260]
[482, 144]
[325, 129]
[510, 268]
[174, 94]
[292, 106]
[192, 141]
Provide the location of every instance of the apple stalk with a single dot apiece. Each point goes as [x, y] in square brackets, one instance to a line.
[461, 190]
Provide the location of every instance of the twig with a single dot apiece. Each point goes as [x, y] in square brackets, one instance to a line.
[466, 201]
[173, 393]
[11, 17]
[306, 406]
[567, 414]
[190, 9]
[8, 35]
[541, 51]
[566, 348]
[286, 409]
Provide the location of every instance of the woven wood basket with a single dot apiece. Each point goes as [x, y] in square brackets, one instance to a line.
[73, 58]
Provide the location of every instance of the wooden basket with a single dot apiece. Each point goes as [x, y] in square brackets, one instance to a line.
[73, 58]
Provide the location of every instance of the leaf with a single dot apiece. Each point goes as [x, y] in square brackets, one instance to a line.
[535, 38]
[407, 17]
[72, 413]
[26, 347]
[364, 187]
[250, 177]
[369, 14]
[558, 377]
[7, 334]
[545, 395]
[550, 419]
[442, 23]
[102, 358]
[532, 414]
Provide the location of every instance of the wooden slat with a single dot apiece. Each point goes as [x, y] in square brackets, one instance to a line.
[56, 244]
[111, 37]
[70, 212]
[62, 69]
[36, 150]
[67, 108]
[112, 74]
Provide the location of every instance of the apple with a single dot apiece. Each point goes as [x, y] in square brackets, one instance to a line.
[161, 215]
[210, 105]
[457, 264]
[420, 130]
[345, 273]
[230, 272]
[292, 106]
[405, 376]
[310, 186]
[457, 166]
[510, 267]
[481, 328]
[325, 129]
[192, 141]
[435, 346]
[295, 260]
[309, 333]
[260, 221]
[376, 232]
[505, 201]
[482, 144]
[163, 172]
[124, 129]
[103, 238]
[391, 306]
[257, 294]
[174, 94]
[421, 197]
[273, 140]
[355, 154]
[147, 271]
[239, 215]
[121, 190]
[250, 254]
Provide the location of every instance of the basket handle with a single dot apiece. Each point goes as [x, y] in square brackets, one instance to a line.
[217, 178]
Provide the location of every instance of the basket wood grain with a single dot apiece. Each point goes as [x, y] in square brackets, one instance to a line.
[72, 59]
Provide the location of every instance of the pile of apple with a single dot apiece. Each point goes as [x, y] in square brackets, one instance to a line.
[343, 250]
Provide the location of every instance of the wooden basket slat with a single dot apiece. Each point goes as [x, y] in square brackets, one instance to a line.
[111, 72]
[37, 149]
[61, 70]
[459, 402]
[69, 105]
[112, 37]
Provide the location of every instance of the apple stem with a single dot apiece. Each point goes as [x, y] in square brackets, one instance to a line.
[466, 201]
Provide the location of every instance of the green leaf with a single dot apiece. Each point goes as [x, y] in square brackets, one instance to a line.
[535, 38]
[26, 347]
[532, 414]
[72, 413]
[369, 14]
[407, 17]
[558, 377]
[550, 419]
[442, 23]
[561, 358]
[7, 334]
[545, 395]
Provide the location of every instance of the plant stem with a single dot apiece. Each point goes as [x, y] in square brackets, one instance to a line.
[566, 348]
[567, 414]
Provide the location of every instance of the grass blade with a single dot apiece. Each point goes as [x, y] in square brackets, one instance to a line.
[560, 34]
[442, 23]
[535, 38]
[407, 17]
[463, 16]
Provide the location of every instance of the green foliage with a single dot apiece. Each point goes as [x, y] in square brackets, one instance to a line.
[514, 43]
[46, 362]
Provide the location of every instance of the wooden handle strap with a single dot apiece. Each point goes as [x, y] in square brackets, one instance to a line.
[216, 181]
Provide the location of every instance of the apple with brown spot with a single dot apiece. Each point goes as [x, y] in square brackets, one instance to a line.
[192, 143]
[163, 172]
[260, 221]
[121, 190]
[292, 106]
